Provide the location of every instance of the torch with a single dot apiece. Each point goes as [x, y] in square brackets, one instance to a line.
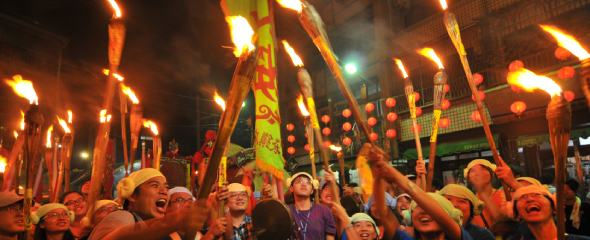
[409, 89]
[559, 116]
[243, 37]
[69, 147]
[10, 171]
[340, 162]
[455, 35]
[135, 119]
[135, 127]
[123, 108]
[32, 134]
[440, 79]
[66, 141]
[222, 170]
[310, 20]
[157, 141]
[568, 42]
[48, 159]
[310, 140]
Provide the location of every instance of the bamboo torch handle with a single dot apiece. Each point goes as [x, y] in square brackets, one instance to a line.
[311, 143]
[123, 100]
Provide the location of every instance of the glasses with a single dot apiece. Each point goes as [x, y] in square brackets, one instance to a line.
[58, 215]
[182, 200]
[12, 209]
[535, 196]
[72, 202]
[236, 195]
[108, 209]
[303, 181]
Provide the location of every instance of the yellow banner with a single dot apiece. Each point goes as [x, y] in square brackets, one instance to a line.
[435, 120]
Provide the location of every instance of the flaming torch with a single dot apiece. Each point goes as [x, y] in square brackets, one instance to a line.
[49, 161]
[32, 134]
[559, 115]
[222, 170]
[455, 35]
[568, 42]
[123, 92]
[440, 79]
[309, 129]
[135, 122]
[244, 38]
[10, 172]
[157, 142]
[409, 89]
[66, 155]
[310, 20]
[340, 162]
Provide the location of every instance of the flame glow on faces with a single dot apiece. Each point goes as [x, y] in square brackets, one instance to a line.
[151, 125]
[64, 125]
[69, 116]
[130, 93]
[23, 88]
[2, 164]
[302, 106]
[241, 34]
[102, 115]
[48, 144]
[292, 4]
[443, 3]
[22, 121]
[116, 8]
[400, 65]
[566, 41]
[334, 148]
[117, 76]
[530, 81]
[429, 53]
[219, 101]
[296, 60]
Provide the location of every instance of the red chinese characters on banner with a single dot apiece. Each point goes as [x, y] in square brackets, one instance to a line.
[109, 170]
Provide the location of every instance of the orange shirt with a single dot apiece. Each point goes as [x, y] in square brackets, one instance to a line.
[499, 198]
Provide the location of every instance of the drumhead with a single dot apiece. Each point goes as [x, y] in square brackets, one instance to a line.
[272, 220]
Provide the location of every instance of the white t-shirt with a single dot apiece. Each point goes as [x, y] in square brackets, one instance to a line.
[113, 221]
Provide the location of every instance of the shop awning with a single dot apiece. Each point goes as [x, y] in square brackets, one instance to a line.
[531, 140]
[453, 148]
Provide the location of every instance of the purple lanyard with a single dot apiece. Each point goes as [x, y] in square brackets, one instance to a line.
[306, 221]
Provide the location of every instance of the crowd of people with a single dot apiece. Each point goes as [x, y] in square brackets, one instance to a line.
[397, 208]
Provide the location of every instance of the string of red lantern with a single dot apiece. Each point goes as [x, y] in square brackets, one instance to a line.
[392, 116]
[290, 139]
[565, 73]
[346, 127]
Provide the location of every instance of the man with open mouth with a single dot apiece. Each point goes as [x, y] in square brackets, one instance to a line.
[11, 216]
[144, 195]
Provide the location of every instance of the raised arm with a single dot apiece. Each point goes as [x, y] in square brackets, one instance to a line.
[388, 220]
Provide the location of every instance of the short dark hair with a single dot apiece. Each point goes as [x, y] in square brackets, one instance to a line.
[340, 190]
[547, 179]
[573, 184]
[63, 196]
[353, 184]
[437, 184]
[40, 233]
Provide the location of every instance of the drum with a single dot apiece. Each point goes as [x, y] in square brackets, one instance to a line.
[272, 220]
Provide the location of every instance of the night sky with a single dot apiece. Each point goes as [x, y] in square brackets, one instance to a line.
[173, 53]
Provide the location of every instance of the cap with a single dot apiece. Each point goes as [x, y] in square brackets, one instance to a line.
[7, 198]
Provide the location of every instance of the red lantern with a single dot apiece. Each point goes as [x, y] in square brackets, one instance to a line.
[326, 131]
[369, 107]
[307, 147]
[390, 102]
[562, 53]
[290, 127]
[444, 122]
[391, 116]
[569, 95]
[515, 88]
[481, 94]
[346, 113]
[416, 96]
[419, 128]
[566, 72]
[372, 121]
[447, 88]
[325, 118]
[327, 144]
[514, 66]
[390, 133]
[418, 111]
[518, 107]
[446, 104]
[305, 134]
[477, 78]
[291, 150]
[475, 116]
[346, 126]
[373, 136]
[291, 138]
[346, 141]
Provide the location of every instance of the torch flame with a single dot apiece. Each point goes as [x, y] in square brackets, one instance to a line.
[292, 4]
[63, 124]
[296, 60]
[2, 164]
[151, 125]
[429, 53]
[566, 41]
[69, 116]
[22, 121]
[130, 93]
[48, 145]
[116, 7]
[529, 81]
[443, 3]
[334, 148]
[102, 115]
[241, 34]
[400, 65]
[15, 134]
[302, 106]
[23, 88]
[219, 101]
[109, 118]
[117, 76]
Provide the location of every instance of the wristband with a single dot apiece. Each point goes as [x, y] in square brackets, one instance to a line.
[347, 227]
